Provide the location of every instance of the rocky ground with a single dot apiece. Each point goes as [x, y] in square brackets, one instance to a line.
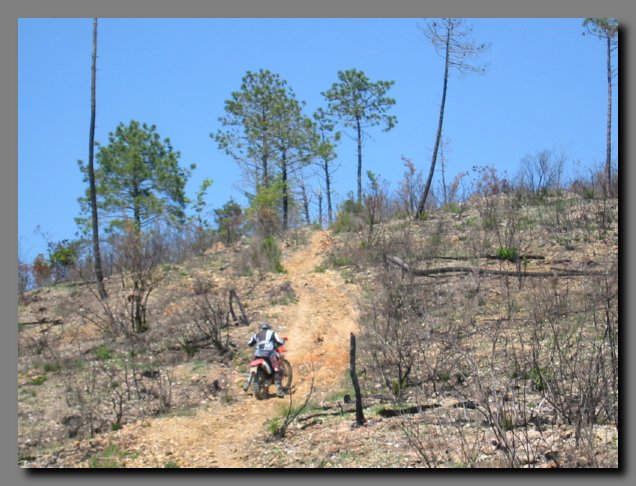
[213, 423]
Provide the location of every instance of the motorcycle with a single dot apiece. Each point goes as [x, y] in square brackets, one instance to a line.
[261, 374]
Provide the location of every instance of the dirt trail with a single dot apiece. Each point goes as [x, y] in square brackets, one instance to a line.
[318, 327]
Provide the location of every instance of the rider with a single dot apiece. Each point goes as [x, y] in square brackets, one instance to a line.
[266, 341]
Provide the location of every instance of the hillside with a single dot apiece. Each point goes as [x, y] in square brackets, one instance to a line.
[448, 362]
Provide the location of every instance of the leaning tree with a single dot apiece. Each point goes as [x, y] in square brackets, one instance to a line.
[449, 38]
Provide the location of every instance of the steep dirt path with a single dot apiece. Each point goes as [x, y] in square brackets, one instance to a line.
[318, 327]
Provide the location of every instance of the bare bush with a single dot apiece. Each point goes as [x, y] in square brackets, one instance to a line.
[410, 188]
[203, 322]
[541, 172]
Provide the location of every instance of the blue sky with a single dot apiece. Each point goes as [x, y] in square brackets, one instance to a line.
[545, 89]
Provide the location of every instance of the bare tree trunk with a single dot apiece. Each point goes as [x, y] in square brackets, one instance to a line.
[319, 195]
[359, 131]
[354, 378]
[441, 155]
[328, 189]
[305, 197]
[99, 275]
[608, 160]
[438, 137]
[285, 192]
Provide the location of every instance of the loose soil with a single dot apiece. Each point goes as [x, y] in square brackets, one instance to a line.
[318, 325]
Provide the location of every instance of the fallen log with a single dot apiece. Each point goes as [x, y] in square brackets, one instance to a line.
[555, 272]
[486, 257]
[395, 412]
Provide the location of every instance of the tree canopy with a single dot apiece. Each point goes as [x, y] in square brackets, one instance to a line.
[139, 179]
[360, 104]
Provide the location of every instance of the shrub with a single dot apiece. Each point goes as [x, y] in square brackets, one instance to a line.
[107, 459]
[52, 367]
[103, 352]
[272, 253]
[38, 380]
[349, 217]
[41, 271]
[509, 254]
[539, 378]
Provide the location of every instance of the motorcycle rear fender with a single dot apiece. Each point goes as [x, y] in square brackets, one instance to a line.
[256, 362]
[262, 363]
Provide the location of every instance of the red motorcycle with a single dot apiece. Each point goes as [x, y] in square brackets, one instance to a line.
[261, 374]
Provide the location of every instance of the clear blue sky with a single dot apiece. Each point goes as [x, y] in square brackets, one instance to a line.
[545, 89]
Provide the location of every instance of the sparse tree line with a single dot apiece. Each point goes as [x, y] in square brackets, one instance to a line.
[288, 158]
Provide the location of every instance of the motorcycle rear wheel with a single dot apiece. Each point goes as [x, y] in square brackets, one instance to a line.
[256, 383]
[286, 374]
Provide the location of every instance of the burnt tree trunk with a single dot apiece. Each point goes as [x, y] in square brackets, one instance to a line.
[354, 378]
[608, 157]
[438, 136]
[243, 318]
[99, 274]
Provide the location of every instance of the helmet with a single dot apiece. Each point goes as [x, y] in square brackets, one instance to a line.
[266, 326]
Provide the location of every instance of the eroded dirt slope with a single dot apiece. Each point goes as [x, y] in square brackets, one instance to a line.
[318, 326]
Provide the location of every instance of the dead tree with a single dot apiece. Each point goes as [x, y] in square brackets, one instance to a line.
[243, 318]
[354, 378]
[448, 38]
[99, 274]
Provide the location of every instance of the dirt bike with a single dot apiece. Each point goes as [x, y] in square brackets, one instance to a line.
[261, 374]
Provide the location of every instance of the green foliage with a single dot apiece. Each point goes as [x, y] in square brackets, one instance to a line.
[263, 209]
[62, 256]
[200, 204]
[171, 464]
[396, 388]
[138, 179]
[455, 208]
[539, 378]
[349, 216]
[510, 254]
[325, 139]
[38, 380]
[264, 130]
[605, 28]
[274, 425]
[229, 219]
[103, 352]
[190, 348]
[338, 261]
[52, 367]
[271, 250]
[355, 99]
[109, 458]
[360, 104]
[443, 376]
